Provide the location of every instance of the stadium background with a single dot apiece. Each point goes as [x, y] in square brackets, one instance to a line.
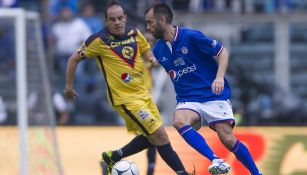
[267, 40]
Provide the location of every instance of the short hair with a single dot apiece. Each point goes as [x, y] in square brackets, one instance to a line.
[162, 9]
[110, 4]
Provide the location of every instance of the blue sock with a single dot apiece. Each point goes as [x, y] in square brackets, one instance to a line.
[243, 155]
[194, 139]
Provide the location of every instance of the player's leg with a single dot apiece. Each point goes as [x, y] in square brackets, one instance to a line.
[137, 144]
[160, 139]
[151, 157]
[128, 149]
[183, 120]
[225, 133]
[143, 116]
[220, 118]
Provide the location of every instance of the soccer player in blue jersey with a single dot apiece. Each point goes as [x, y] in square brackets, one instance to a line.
[197, 66]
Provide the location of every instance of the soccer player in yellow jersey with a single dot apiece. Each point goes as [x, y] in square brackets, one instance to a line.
[118, 50]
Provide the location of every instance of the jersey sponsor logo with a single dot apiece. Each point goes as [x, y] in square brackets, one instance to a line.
[184, 50]
[179, 62]
[143, 114]
[126, 77]
[128, 52]
[123, 42]
[175, 75]
[214, 43]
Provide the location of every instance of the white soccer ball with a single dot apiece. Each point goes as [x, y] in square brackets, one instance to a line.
[125, 167]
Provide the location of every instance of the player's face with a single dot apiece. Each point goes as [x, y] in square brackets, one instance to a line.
[116, 20]
[153, 25]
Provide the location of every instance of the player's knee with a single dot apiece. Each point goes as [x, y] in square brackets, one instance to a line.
[159, 137]
[228, 141]
[179, 122]
[184, 117]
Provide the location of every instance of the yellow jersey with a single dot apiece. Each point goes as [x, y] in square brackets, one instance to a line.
[148, 76]
[119, 59]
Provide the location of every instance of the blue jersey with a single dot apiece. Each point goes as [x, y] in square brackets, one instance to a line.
[189, 60]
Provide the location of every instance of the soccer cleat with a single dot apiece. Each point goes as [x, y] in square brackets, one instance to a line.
[104, 168]
[107, 159]
[219, 166]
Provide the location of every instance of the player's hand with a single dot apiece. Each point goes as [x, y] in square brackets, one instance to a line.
[154, 62]
[218, 85]
[70, 93]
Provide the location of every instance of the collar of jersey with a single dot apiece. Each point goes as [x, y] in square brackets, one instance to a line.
[176, 34]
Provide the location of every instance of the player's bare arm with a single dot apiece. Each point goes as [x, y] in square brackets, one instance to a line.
[149, 56]
[218, 83]
[72, 64]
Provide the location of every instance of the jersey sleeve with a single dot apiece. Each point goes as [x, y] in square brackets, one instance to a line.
[90, 48]
[142, 42]
[206, 44]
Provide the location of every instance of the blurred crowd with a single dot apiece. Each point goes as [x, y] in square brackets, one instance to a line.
[67, 23]
[237, 6]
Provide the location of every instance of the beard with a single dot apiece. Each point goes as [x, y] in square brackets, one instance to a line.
[159, 33]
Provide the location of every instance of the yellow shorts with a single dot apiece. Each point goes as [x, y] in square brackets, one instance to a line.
[141, 116]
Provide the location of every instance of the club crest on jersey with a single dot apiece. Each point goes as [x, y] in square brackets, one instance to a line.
[179, 62]
[126, 77]
[128, 52]
[184, 50]
[214, 43]
[143, 114]
[125, 49]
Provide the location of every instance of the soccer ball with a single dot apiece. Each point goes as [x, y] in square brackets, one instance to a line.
[125, 167]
